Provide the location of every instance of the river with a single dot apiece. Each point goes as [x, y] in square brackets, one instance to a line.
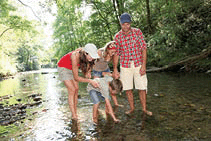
[180, 103]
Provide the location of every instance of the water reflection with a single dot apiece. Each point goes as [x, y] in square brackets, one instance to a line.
[180, 104]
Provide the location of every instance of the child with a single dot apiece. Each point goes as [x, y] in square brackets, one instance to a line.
[106, 85]
[106, 54]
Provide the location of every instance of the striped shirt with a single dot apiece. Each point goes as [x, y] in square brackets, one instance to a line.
[130, 47]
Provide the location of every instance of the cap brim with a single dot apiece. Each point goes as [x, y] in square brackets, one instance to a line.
[94, 56]
[125, 21]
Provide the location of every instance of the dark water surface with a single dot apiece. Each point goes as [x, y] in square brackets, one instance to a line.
[180, 102]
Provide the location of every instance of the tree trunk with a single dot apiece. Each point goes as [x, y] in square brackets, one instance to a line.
[148, 17]
[184, 62]
[116, 14]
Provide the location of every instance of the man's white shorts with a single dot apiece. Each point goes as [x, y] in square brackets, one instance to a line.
[130, 76]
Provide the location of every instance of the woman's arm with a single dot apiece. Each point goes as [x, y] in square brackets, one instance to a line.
[75, 62]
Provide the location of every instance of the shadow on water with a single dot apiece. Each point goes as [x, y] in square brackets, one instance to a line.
[180, 104]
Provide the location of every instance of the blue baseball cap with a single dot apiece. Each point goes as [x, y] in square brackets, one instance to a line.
[125, 18]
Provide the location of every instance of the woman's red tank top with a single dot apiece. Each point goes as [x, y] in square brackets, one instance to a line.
[66, 61]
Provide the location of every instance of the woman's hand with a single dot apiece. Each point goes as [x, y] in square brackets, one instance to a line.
[94, 84]
[88, 75]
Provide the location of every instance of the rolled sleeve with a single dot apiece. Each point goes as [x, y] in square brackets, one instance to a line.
[117, 46]
[141, 40]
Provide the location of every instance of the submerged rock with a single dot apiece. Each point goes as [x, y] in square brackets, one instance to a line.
[12, 113]
[37, 98]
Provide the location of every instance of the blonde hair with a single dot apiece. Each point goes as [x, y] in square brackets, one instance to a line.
[107, 45]
[105, 49]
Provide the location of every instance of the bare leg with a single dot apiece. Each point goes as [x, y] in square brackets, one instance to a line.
[95, 112]
[110, 110]
[75, 96]
[71, 97]
[142, 96]
[129, 94]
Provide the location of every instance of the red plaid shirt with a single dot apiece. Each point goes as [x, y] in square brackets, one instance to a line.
[130, 47]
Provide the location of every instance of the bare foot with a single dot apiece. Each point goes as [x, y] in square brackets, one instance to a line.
[148, 113]
[117, 121]
[74, 118]
[95, 120]
[119, 105]
[129, 112]
[95, 123]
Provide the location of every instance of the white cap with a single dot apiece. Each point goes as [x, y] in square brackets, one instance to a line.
[91, 49]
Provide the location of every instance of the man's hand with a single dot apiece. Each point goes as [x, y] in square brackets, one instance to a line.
[142, 71]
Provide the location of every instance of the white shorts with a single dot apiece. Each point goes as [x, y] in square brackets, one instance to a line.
[130, 76]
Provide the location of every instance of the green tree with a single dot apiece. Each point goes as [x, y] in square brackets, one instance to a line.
[70, 30]
[172, 29]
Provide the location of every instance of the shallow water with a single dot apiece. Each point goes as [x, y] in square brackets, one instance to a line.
[180, 103]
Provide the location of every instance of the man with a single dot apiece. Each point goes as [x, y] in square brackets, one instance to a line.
[132, 52]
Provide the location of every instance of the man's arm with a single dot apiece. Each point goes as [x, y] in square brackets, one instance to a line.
[143, 66]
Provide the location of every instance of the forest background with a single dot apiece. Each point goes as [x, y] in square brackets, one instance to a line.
[177, 32]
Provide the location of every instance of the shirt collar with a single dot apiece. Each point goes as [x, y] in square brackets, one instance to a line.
[128, 33]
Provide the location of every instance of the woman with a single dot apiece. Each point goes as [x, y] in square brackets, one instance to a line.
[106, 54]
[68, 67]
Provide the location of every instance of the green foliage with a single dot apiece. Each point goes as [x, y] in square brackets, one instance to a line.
[182, 29]
[172, 29]
[27, 57]
[18, 40]
[70, 30]
[5, 8]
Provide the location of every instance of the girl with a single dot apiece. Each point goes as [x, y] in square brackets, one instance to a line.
[68, 67]
[101, 67]
[106, 54]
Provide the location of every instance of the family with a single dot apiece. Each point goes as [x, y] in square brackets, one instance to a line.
[128, 48]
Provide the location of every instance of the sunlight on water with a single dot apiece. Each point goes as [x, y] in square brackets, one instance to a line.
[180, 104]
[50, 125]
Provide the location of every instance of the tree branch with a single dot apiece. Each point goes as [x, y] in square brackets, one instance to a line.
[5, 31]
[30, 8]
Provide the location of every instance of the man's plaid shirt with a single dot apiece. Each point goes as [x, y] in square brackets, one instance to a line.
[130, 47]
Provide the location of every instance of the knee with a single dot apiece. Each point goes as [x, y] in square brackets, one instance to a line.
[73, 90]
[129, 92]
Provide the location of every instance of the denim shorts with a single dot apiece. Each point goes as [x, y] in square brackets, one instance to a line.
[99, 73]
[96, 96]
